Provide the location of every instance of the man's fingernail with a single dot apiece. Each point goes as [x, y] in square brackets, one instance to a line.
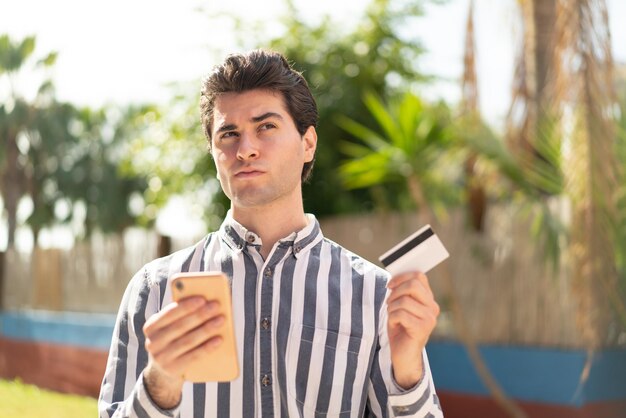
[215, 341]
[218, 321]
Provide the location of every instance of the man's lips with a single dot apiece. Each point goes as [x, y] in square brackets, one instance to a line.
[248, 172]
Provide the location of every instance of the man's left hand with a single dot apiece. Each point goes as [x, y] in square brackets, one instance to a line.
[412, 316]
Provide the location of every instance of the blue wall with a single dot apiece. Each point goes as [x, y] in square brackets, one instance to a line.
[78, 329]
[525, 373]
[532, 374]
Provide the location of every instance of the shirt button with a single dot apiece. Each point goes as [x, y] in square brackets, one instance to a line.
[268, 272]
[297, 250]
[400, 409]
[265, 323]
[266, 380]
[250, 238]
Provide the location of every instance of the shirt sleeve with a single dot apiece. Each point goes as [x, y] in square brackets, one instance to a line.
[419, 401]
[123, 393]
[385, 397]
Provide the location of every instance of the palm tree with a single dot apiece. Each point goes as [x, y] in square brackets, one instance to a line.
[564, 91]
[563, 147]
[55, 152]
[584, 87]
[415, 140]
[15, 115]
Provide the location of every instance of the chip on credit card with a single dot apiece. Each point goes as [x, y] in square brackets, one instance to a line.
[421, 251]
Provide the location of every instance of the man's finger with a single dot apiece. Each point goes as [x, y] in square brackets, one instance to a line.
[414, 288]
[401, 278]
[412, 306]
[189, 341]
[424, 280]
[413, 324]
[173, 312]
[164, 330]
[178, 365]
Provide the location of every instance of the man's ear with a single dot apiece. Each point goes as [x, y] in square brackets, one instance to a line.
[310, 143]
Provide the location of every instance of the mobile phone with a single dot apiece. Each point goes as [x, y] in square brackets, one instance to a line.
[221, 364]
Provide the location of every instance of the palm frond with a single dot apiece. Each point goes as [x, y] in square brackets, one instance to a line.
[383, 117]
[370, 170]
[409, 114]
[354, 151]
[373, 139]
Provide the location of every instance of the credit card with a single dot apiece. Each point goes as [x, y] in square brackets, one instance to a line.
[421, 251]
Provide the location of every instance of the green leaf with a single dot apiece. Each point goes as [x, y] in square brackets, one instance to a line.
[354, 150]
[374, 140]
[409, 115]
[385, 120]
[49, 60]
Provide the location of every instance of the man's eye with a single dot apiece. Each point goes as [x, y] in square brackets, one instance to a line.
[230, 134]
[267, 126]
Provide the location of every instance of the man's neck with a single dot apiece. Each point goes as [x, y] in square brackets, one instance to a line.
[271, 223]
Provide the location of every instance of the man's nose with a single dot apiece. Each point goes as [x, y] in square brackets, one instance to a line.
[248, 147]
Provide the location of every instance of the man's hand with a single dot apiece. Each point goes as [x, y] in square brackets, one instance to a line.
[177, 335]
[412, 316]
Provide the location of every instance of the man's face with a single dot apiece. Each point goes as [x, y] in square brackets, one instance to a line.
[258, 152]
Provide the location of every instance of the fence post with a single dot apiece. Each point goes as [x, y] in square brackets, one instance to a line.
[164, 246]
[47, 279]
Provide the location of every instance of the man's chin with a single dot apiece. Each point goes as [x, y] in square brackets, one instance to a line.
[251, 199]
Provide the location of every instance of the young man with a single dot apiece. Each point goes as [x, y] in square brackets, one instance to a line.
[320, 331]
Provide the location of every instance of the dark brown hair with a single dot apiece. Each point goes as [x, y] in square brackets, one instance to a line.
[266, 70]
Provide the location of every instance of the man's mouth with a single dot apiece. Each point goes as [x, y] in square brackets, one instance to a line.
[248, 173]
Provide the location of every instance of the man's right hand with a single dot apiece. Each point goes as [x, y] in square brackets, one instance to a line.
[176, 336]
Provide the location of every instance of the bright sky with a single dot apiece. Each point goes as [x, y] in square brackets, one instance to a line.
[121, 51]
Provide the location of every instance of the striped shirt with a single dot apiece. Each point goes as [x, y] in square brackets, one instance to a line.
[311, 326]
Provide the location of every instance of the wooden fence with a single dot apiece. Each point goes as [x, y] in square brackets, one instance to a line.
[507, 293]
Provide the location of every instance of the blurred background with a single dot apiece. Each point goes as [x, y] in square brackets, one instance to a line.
[500, 122]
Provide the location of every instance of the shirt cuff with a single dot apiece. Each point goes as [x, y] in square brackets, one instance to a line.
[404, 402]
[143, 405]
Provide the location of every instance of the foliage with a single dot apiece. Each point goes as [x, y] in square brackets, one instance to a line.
[15, 116]
[413, 143]
[373, 56]
[27, 401]
[62, 158]
[167, 147]
[533, 179]
[87, 173]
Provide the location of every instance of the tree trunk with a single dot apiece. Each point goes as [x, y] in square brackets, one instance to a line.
[474, 190]
[461, 325]
[544, 21]
[531, 95]
[11, 181]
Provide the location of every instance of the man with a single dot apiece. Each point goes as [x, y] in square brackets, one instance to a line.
[320, 331]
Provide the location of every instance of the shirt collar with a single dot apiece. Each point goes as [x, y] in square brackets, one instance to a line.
[238, 236]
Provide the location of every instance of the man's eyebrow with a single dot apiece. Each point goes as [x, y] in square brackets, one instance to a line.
[266, 115]
[232, 127]
[227, 127]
